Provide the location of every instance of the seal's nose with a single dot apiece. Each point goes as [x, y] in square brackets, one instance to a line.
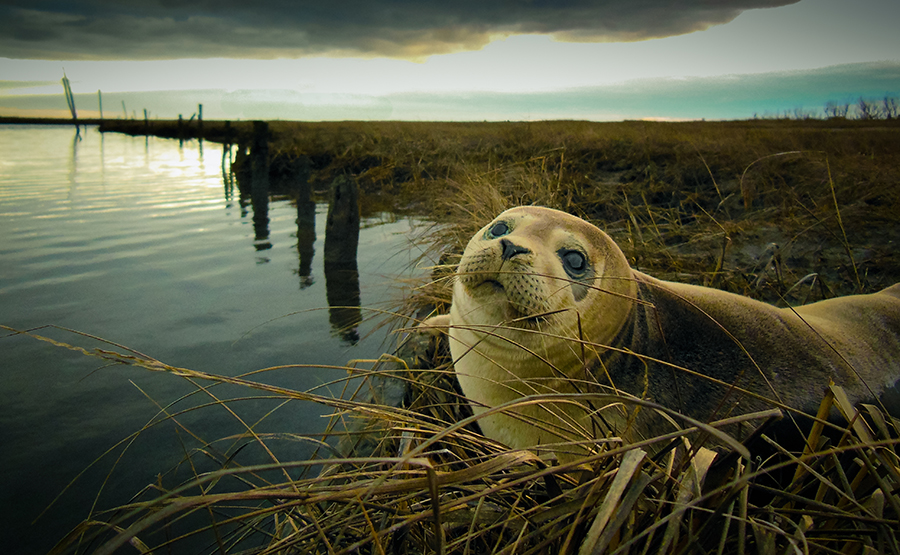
[510, 249]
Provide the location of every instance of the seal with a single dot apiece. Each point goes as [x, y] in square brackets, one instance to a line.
[545, 306]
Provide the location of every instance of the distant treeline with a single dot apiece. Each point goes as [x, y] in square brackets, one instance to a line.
[862, 109]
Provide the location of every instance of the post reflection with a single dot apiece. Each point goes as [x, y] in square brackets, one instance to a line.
[306, 240]
[341, 272]
[293, 179]
[256, 180]
[259, 189]
[342, 293]
[73, 165]
[227, 174]
[102, 161]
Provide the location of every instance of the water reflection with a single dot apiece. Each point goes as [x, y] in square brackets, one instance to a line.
[248, 168]
[341, 273]
[73, 166]
[259, 188]
[227, 175]
[306, 239]
[342, 293]
[102, 162]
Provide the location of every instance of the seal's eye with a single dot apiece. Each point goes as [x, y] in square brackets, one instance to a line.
[499, 229]
[574, 263]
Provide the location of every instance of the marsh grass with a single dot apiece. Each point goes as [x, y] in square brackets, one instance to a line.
[788, 212]
[419, 478]
[698, 202]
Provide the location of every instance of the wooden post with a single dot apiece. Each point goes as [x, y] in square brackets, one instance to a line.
[259, 189]
[100, 103]
[70, 98]
[341, 272]
[227, 161]
[342, 225]
[200, 127]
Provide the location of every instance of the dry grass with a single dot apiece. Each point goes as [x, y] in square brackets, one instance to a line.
[693, 202]
[696, 202]
[424, 481]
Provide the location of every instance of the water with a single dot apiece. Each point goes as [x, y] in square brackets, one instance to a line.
[142, 243]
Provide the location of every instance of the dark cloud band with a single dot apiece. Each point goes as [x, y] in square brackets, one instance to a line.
[164, 29]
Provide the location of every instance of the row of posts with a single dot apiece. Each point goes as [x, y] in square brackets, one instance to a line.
[341, 276]
[341, 231]
[70, 101]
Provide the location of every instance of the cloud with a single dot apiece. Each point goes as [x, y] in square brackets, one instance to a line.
[412, 29]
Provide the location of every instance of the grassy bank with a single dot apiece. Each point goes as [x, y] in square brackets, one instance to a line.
[696, 202]
[701, 202]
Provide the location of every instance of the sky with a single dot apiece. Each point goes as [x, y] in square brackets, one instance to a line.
[468, 60]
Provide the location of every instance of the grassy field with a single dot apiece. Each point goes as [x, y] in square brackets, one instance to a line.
[701, 202]
[785, 211]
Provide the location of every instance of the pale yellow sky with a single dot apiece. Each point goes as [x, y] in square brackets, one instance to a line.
[806, 35]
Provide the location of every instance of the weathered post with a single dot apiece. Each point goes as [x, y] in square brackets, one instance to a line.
[341, 273]
[259, 188]
[70, 98]
[342, 225]
[200, 128]
[100, 103]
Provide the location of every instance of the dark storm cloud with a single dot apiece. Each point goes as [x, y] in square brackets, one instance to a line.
[163, 29]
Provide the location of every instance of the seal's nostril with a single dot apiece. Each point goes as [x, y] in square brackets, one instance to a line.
[510, 249]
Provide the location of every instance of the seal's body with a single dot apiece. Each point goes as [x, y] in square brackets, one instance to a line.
[546, 303]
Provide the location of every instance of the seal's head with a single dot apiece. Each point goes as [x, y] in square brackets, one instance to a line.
[539, 268]
[537, 292]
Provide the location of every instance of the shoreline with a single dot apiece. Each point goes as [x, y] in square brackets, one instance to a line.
[697, 202]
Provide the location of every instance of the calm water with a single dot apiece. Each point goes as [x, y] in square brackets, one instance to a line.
[140, 242]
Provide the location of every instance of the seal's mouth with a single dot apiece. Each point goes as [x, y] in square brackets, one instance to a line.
[520, 317]
[493, 284]
[515, 295]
